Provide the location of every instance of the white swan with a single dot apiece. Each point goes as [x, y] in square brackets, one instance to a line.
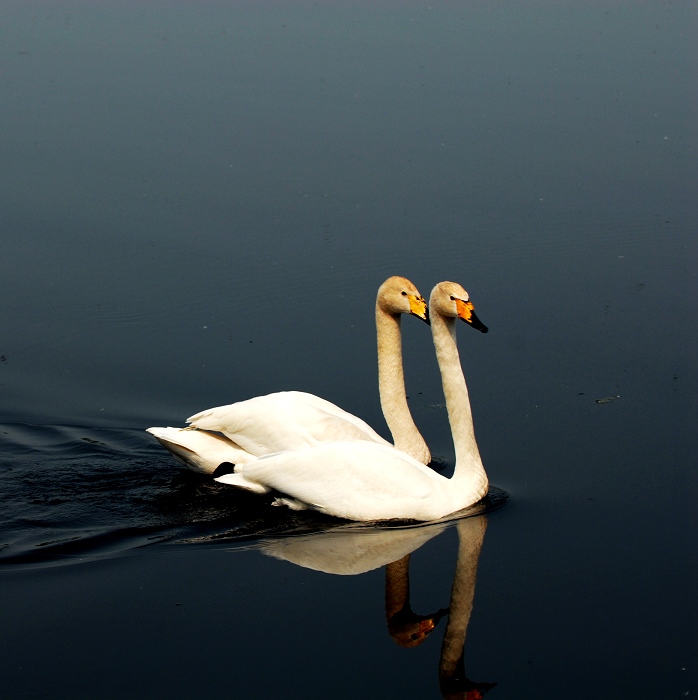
[366, 481]
[294, 420]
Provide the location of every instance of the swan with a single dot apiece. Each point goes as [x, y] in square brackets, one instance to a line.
[369, 481]
[293, 420]
[349, 550]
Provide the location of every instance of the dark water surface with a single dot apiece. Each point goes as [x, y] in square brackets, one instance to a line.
[198, 204]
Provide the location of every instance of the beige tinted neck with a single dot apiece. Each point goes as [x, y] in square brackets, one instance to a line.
[391, 383]
[456, 393]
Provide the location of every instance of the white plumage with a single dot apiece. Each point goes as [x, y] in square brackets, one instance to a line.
[287, 420]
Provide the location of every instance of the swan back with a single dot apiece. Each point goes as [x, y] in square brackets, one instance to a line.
[287, 420]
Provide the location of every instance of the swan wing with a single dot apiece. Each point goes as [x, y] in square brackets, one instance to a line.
[282, 421]
[335, 410]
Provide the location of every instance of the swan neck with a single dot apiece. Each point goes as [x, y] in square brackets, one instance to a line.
[391, 384]
[457, 400]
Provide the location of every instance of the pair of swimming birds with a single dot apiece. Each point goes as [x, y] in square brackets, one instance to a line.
[313, 455]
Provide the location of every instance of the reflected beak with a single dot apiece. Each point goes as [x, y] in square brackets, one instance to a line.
[426, 626]
[419, 308]
[466, 312]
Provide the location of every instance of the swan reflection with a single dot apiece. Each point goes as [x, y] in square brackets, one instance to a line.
[348, 551]
[453, 682]
[352, 550]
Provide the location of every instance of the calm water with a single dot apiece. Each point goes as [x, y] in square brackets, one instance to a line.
[198, 205]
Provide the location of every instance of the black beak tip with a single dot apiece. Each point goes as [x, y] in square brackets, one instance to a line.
[477, 324]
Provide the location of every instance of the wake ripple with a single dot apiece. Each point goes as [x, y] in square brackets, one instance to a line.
[70, 494]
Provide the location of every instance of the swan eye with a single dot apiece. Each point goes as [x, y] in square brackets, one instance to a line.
[404, 294]
[453, 298]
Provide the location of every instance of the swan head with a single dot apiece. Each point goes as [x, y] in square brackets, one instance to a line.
[449, 299]
[397, 295]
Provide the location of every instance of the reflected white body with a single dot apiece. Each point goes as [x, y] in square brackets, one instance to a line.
[348, 552]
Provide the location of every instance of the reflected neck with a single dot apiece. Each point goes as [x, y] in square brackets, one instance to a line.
[397, 587]
[471, 532]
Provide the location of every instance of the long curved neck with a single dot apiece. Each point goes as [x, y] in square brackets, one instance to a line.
[391, 384]
[471, 532]
[468, 461]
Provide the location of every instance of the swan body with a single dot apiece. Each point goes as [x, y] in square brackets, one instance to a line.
[294, 420]
[367, 481]
[358, 480]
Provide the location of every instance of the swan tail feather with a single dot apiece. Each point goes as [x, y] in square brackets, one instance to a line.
[199, 450]
[240, 482]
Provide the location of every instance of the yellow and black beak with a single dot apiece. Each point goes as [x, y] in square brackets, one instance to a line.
[466, 312]
[419, 308]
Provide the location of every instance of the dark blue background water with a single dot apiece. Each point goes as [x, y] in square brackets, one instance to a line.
[198, 205]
